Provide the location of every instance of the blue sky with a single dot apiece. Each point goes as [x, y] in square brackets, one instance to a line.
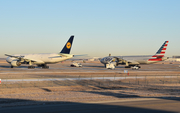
[100, 27]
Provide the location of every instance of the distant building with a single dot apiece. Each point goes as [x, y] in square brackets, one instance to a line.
[175, 56]
[94, 59]
[174, 59]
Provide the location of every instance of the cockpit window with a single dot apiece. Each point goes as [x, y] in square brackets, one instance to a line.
[107, 59]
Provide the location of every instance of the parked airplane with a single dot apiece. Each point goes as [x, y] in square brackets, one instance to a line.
[135, 61]
[42, 59]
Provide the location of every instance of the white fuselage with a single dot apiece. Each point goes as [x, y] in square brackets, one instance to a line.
[42, 58]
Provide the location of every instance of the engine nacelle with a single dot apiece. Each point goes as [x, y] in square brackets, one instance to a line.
[15, 63]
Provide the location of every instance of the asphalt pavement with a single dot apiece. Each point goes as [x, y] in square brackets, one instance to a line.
[146, 105]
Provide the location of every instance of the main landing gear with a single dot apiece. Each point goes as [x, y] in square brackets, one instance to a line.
[44, 66]
[127, 66]
[31, 67]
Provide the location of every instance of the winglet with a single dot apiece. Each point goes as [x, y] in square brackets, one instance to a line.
[68, 45]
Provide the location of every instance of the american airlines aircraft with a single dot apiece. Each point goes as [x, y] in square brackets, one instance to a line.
[135, 61]
[42, 59]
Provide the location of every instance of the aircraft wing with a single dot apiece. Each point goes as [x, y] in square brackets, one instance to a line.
[22, 58]
[34, 60]
[18, 57]
[120, 59]
[66, 55]
[60, 55]
[132, 62]
[80, 55]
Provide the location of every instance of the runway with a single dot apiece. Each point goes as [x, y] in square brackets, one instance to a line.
[148, 105]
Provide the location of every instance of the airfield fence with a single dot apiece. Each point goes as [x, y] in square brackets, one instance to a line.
[98, 81]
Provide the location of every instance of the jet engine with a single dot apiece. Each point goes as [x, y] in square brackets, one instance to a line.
[15, 63]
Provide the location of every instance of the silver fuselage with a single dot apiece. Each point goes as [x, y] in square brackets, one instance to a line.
[132, 60]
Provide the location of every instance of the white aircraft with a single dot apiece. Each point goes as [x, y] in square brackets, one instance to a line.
[42, 59]
[135, 61]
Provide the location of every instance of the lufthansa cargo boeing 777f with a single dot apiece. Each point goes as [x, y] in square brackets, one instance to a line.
[135, 61]
[42, 59]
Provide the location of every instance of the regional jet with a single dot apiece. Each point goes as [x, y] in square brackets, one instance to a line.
[135, 61]
[42, 59]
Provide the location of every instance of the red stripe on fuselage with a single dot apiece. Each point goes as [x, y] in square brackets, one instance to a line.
[159, 56]
[159, 59]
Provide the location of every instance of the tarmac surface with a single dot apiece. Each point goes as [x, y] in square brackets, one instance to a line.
[148, 105]
[123, 99]
[90, 68]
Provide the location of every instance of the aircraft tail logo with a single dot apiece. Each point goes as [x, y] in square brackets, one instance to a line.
[68, 45]
[162, 50]
[160, 53]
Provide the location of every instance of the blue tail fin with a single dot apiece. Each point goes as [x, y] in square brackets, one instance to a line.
[68, 45]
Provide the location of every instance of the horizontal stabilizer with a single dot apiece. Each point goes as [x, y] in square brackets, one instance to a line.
[80, 55]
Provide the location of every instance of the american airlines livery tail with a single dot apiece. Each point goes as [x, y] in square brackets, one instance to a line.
[160, 53]
[42, 59]
[135, 61]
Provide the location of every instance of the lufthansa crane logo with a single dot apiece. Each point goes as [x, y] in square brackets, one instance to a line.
[68, 45]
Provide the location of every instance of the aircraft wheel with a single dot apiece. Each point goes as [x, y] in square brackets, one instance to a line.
[31, 67]
[11, 66]
[45, 67]
[127, 66]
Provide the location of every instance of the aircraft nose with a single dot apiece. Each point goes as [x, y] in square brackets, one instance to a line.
[102, 60]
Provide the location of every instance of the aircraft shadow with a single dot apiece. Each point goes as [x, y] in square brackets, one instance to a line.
[46, 89]
[5, 66]
[94, 66]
